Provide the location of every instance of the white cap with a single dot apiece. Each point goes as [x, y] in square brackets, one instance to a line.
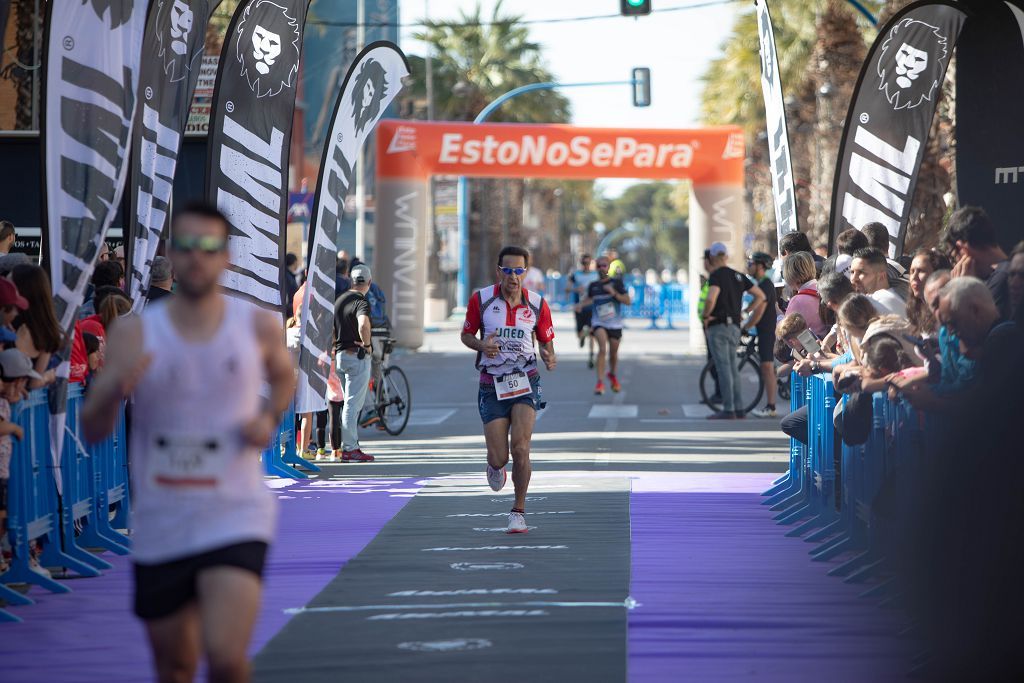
[360, 274]
[717, 249]
[843, 263]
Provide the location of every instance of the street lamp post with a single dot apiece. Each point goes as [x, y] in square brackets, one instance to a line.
[462, 202]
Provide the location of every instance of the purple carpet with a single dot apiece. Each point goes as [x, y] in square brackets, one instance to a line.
[724, 596]
[90, 634]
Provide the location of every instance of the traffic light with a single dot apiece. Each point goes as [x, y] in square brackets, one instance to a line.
[641, 86]
[634, 8]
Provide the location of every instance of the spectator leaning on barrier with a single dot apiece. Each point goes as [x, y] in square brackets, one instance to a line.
[763, 319]
[11, 302]
[869, 277]
[38, 333]
[833, 289]
[15, 372]
[161, 279]
[722, 316]
[799, 274]
[971, 243]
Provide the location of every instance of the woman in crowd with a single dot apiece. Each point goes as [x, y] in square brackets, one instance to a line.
[799, 273]
[926, 262]
[113, 307]
[38, 332]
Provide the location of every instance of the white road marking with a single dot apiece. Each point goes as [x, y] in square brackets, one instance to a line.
[628, 603]
[422, 417]
[613, 411]
[696, 410]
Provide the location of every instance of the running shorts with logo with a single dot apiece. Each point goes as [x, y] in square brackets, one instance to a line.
[606, 310]
[515, 329]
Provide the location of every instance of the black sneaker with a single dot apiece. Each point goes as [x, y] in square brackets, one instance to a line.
[740, 415]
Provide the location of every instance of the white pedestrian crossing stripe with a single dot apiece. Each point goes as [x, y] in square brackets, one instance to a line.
[696, 410]
[611, 411]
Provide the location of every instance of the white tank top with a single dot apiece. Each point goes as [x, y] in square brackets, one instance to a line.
[196, 485]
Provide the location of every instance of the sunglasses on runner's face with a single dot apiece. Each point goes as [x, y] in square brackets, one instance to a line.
[207, 244]
[512, 271]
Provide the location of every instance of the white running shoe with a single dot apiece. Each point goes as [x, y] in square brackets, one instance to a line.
[763, 412]
[496, 478]
[516, 523]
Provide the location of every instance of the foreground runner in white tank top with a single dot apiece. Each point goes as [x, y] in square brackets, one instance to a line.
[202, 516]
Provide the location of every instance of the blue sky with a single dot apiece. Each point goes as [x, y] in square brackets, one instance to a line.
[677, 46]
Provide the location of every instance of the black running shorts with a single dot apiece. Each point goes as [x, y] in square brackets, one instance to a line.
[612, 334]
[583, 319]
[162, 589]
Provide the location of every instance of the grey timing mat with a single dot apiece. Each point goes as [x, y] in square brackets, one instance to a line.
[443, 594]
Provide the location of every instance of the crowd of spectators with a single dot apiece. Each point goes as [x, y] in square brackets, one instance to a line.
[942, 330]
[33, 344]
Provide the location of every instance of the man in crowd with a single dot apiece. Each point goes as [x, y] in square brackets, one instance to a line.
[507, 319]
[722, 316]
[794, 242]
[971, 242]
[869, 276]
[878, 237]
[605, 298]
[108, 273]
[353, 347]
[342, 282]
[7, 237]
[161, 279]
[579, 282]
[763, 320]
[291, 277]
[202, 516]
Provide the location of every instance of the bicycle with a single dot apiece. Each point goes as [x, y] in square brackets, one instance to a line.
[390, 393]
[750, 375]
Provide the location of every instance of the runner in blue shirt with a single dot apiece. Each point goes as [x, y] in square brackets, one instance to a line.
[579, 281]
[605, 298]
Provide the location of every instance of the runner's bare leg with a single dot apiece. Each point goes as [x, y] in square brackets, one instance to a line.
[229, 600]
[602, 343]
[523, 419]
[613, 356]
[496, 436]
[175, 641]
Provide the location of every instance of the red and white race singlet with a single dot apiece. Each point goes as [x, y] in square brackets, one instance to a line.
[514, 329]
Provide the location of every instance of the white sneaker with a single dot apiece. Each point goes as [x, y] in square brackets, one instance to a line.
[763, 412]
[516, 523]
[33, 565]
[496, 478]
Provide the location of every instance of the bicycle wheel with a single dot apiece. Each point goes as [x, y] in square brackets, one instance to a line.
[394, 402]
[751, 382]
[709, 395]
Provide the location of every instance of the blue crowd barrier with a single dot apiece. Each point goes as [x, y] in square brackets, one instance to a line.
[806, 492]
[70, 524]
[281, 458]
[668, 302]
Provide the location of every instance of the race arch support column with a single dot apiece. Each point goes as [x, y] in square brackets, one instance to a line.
[716, 215]
[400, 259]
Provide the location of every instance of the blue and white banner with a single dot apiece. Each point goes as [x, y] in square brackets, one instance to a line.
[372, 82]
[91, 66]
[172, 50]
[783, 188]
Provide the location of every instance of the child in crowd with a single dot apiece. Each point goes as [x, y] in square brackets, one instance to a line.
[15, 372]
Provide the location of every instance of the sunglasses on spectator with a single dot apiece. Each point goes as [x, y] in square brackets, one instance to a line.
[207, 244]
[510, 271]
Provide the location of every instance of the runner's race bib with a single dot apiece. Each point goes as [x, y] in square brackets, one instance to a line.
[188, 463]
[606, 311]
[512, 385]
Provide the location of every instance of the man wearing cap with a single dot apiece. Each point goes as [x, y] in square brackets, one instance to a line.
[722, 317]
[352, 349]
[763, 320]
[10, 303]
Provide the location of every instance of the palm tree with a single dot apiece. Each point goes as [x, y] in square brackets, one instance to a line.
[476, 60]
[26, 51]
